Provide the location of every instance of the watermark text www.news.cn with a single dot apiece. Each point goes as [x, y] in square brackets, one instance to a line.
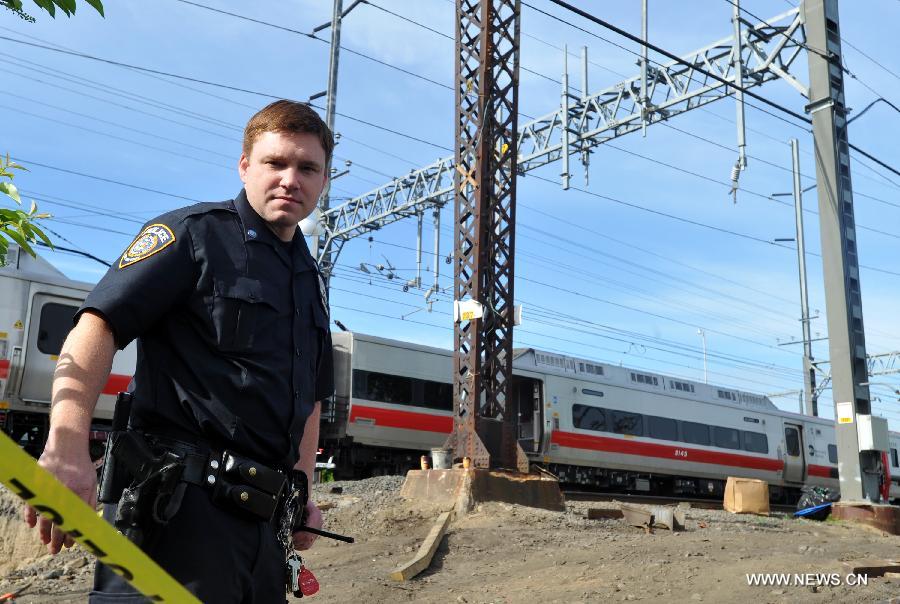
[805, 579]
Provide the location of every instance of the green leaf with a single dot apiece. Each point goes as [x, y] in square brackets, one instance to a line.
[98, 6]
[48, 6]
[11, 190]
[43, 236]
[33, 208]
[67, 6]
[15, 236]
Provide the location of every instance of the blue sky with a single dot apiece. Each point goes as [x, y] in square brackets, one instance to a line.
[597, 279]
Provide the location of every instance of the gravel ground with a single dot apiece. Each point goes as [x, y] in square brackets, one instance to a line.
[511, 554]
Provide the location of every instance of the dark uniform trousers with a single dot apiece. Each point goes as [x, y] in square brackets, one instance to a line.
[234, 351]
[217, 555]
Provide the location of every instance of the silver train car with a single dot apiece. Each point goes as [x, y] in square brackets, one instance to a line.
[592, 424]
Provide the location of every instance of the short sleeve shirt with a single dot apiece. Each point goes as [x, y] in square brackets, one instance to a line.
[233, 345]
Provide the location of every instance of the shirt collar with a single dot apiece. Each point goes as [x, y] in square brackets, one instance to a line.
[256, 230]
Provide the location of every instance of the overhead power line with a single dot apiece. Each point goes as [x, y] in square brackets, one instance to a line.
[705, 72]
[140, 68]
[225, 86]
[28, 162]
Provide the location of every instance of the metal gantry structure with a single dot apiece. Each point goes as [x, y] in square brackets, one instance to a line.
[767, 51]
[484, 185]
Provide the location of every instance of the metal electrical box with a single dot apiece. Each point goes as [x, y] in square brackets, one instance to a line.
[873, 433]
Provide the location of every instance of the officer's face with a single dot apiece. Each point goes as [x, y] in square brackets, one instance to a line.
[283, 177]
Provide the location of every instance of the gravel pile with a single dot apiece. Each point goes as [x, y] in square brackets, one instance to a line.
[370, 507]
[24, 559]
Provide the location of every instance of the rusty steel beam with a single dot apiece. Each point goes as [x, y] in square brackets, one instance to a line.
[487, 75]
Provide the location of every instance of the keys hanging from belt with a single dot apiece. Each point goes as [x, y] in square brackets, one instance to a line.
[300, 580]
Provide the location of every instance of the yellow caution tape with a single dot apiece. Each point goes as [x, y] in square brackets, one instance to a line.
[42, 491]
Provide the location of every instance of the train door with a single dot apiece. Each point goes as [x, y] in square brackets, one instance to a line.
[49, 323]
[794, 460]
[529, 404]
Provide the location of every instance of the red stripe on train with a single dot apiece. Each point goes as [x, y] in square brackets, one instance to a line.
[821, 471]
[116, 383]
[645, 449]
[408, 420]
[4, 369]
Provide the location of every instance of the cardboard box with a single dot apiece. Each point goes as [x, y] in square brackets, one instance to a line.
[746, 496]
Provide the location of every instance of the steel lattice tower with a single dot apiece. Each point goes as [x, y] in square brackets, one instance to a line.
[487, 75]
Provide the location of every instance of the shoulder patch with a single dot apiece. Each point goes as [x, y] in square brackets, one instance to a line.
[153, 239]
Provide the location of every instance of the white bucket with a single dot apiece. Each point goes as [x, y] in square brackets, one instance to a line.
[441, 459]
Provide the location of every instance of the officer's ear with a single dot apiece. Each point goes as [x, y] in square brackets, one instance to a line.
[243, 164]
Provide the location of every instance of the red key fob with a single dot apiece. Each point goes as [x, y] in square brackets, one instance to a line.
[308, 583]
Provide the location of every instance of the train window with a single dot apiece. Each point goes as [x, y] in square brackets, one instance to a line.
[438, 395]
[662, 427]
[727, 438]
[382, 387]
[694, 433]
[832, 453]
[756, 442]
[792, 441]
[627, 423]
[727, 395]
[55, 325]
[589, 368]
[586, 417]
[682, 386]
[894, 459]
[642, 378]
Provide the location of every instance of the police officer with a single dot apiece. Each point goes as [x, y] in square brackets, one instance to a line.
[233, 353]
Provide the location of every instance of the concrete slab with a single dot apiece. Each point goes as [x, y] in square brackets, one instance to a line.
[462, 489]
[882, 517]
[437, 487]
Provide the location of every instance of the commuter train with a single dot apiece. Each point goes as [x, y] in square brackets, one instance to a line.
[37, 303]
[592, 424]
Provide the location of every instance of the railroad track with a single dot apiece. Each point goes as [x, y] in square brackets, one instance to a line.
[696, 502]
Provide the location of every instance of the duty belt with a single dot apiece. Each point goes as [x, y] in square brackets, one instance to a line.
[235, 482]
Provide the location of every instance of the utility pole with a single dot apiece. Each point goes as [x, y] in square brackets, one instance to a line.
[330, 105]
[738, 67]
[811, 398]
[487, 78]
[859, 470]
[645, 101]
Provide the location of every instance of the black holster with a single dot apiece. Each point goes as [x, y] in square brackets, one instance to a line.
[114, 477]
[146, 486]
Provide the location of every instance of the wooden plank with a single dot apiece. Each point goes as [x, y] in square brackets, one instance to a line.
[636, 516]
[873, 567]
[426, 551]
[603, 513]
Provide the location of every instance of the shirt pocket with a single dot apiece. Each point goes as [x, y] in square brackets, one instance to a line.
[235, 312]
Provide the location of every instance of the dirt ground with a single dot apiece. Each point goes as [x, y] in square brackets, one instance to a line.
[511, 554]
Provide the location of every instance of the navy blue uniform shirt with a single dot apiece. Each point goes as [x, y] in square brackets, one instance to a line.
[233, 345]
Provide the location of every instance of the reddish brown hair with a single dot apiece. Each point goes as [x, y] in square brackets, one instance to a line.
[288, 116]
